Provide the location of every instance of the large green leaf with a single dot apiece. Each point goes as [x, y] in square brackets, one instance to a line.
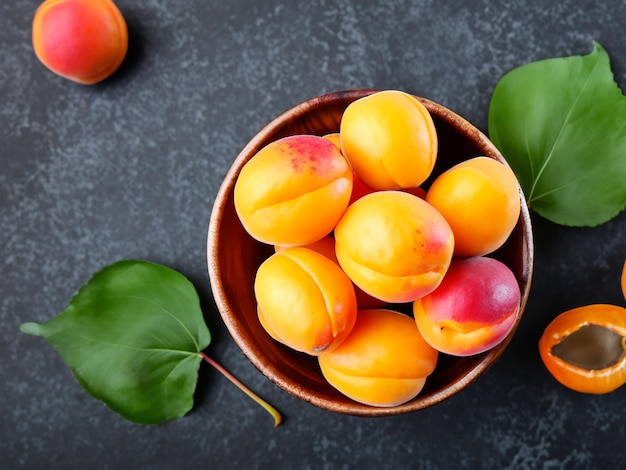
[561, 125]
[132, 337]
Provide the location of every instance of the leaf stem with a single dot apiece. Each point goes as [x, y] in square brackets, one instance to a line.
[269, 408]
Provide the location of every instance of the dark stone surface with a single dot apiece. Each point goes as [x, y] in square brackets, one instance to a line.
[129, 169]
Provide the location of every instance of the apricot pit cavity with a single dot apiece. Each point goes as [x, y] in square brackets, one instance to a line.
[591, 347]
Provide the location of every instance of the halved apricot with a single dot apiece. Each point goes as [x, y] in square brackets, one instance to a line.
[585, 348]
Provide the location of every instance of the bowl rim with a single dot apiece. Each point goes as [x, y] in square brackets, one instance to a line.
[246, 344]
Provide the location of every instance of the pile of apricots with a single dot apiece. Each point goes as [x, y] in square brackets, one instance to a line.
[356, 236]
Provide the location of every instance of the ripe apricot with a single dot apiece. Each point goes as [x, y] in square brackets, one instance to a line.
[304, 300]
[585, 348]
[390, 140]
[473, 309]
[480, 200]
[82, 40]
[293, 191]
[382, 362]
[394, 245]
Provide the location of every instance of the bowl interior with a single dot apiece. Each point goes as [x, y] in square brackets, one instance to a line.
[233, 257]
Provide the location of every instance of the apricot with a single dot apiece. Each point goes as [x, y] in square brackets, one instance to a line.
[584, 348]
[394, 246]
[304, 300]
[293, 191]
[390, 140]
[480, 200]
[82, 40]
[326, 247]
[384, 361]
[473, 309]
[624, 280]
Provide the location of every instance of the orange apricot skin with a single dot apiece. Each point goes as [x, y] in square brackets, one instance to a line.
[81, 40]
[472, 310]
[394, 246]
[390, 139]
[326, 247]
[576, 378]
[480, 199]
[304, 300]
[383, 362]
[293, 191]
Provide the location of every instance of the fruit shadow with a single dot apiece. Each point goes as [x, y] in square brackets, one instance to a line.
[134, 55]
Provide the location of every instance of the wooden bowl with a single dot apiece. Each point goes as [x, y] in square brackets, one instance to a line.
[234, 256]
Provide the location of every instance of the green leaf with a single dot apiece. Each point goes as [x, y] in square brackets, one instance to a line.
[561, 125]
[132, 336]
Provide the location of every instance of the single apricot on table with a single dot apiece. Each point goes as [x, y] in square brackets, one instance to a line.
[382, 362]
[390, 140]
[293, 191]
[480, 200]
[584, 348]
[82, 40]
[473, 309]
[304, 300]
[394, 246]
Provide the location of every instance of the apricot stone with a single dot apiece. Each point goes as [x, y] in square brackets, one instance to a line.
[304, 300]
[384, 361]
[394, 245]
[82, 40]
[390, 140]
[293, 191]
[480, 200]
[472, 310]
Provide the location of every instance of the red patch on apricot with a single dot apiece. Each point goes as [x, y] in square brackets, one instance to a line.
[472, 310]
[82, 40]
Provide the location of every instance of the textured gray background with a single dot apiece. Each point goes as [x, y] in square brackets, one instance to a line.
[129, 169]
